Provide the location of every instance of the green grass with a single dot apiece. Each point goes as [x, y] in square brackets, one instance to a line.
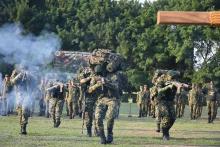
[128, 131]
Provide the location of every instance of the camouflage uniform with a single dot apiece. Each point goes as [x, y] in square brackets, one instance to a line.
[108, 88]
[217, 105]
[56, 103]
[6, 91]
[21, 82]
[166, 94]
[193, 102]
[107, 105]
[47, 97]
[141, 102]
[200, 103]
[153, 93]
[181, 99]
[72, 100]
[147, 102]
[211, 100]
[88, 100]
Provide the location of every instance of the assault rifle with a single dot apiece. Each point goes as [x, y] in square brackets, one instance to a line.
[178, 84]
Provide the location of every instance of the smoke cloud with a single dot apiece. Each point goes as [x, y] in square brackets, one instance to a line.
[27, 49]
[34, 52]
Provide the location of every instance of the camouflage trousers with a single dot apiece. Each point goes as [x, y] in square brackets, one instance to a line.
[180, 107]
[166, 113]
[152, 108]
[105, 108]
[193, 108]
[211, 106]
[23, 114]
[23, 107]
[56, 108]
[89, 113]
[73, 108]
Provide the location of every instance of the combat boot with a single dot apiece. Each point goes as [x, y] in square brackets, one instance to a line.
[57, 123]
[209, 119]
[23, 130]
[158, 128]
[102, 137]
[89, 131]
[166, 135]
[109, 136]
[96, 133]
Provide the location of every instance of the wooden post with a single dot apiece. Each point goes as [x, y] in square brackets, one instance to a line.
[186, 17]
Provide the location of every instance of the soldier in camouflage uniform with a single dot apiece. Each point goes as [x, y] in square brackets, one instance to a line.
[72, 99]
[193, 95]
[140, 101]
[147, 101]
[166, 94]
[200, 102]
[88, 99]
[47, 97]
[6, 90]
[211, 100]
[107, 86]
[153, 93]
[181, 99]
[21, 82]
[158, 76]
[217, 105]
[56, 102]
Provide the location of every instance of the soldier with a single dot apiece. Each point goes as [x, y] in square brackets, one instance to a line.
[166, 94]
[140, 102]
[6, 90]
[88, 99]
[217, 105]
[181, 99]
[211, 99]
[147, 101]
[108, 88]
[56, 102]
[21, 80]
[47, 97]
[158, 76]
[193, 95]
[72, 99]
[200, 102]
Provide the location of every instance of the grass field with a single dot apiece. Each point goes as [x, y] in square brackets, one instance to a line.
[128, 131]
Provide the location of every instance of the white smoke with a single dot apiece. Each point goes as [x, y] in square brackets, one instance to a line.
[27, 49]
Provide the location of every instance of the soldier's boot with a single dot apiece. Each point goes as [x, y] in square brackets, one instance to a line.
[166, 135]
[47, 115]
[102, 137]
[109, 136]
[158, 127]
[139, 114]
[23, 130]
[57, 123]
[96, 132]
[89, 131]
[209, 119]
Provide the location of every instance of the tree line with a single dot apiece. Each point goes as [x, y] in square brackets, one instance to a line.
[129, 28]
